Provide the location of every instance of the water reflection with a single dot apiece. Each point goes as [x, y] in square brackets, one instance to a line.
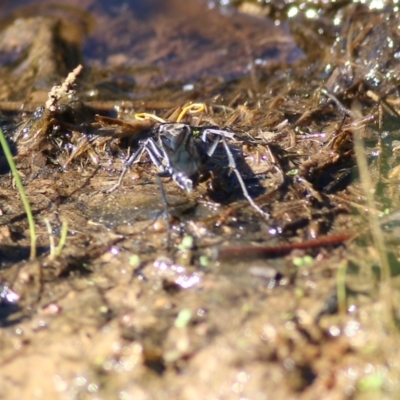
[186, 40]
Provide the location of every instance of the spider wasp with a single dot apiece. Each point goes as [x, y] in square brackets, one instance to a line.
[175, 150]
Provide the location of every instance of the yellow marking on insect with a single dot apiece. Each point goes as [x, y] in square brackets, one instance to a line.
[143, 116]
[194, 108]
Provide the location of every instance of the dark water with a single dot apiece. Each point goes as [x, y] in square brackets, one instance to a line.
[183, 40]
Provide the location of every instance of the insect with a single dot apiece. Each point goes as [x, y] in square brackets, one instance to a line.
[177, 152]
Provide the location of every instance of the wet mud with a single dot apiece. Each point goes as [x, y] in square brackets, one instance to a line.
[270, 270]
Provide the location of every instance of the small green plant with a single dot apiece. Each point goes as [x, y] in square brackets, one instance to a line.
[56, 251]
[21, 191]
[63, 238]
[51, 238]
[302, 261]
[183, 318]
[186, 244]
[134, 261]
[372, 382]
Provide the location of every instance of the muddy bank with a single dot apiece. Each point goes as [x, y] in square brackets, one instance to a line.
[253, 270]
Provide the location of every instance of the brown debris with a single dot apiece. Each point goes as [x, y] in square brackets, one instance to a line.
[58, 92]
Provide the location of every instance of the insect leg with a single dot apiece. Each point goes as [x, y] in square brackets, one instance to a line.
[166, 211]
[152, 150]
[213, 146]
[220, 134]
[156, 155]
[232, 165]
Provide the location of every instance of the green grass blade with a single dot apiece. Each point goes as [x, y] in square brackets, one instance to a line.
[63, 239]
[21, 191]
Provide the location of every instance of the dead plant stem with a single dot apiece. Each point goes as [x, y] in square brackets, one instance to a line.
[373, 219]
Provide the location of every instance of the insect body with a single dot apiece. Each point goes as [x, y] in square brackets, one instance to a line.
[181, 156]
[173, 152]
